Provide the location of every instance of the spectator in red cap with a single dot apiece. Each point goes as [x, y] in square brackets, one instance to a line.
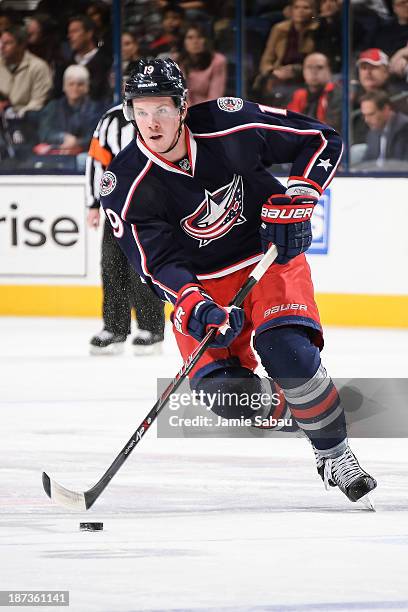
[374, 75]
[373, 71]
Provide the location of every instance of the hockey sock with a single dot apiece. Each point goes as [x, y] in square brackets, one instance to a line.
[316, 407]
[291, 359]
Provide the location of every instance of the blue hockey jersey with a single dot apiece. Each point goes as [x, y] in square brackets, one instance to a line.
[199, 219]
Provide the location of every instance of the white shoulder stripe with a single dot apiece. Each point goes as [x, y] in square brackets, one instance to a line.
[264, 126]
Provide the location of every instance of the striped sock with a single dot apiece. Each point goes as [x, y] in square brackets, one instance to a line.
[315, 405]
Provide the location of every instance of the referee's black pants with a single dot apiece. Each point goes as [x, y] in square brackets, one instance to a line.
[124, 290]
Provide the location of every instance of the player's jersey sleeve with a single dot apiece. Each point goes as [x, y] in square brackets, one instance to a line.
[137, 213]
[274, 136]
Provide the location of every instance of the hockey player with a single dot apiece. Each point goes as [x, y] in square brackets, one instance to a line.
[122, 286]
[193, 206]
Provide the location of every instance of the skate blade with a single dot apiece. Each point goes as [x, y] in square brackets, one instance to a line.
[367, 503]
[153, 349]
[113, 349]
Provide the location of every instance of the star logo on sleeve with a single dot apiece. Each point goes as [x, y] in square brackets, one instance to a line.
[325, 163]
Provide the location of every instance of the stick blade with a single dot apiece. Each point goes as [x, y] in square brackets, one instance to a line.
[62, 496]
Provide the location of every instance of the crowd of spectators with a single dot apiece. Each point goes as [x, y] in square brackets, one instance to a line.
[56, 72]
[55, 82]
[301, 68]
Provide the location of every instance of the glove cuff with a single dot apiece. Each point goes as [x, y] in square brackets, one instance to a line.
[189, 297]
[185, 289]
[298, 187]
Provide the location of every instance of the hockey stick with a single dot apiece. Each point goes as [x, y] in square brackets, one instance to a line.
[83, 501]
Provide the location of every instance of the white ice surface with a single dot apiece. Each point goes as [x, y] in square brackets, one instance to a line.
[194, 524]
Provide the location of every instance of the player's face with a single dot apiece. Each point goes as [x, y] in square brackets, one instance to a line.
[158, 121]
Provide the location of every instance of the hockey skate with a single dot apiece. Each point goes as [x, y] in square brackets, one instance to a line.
[107, 343]
[345, 472]
[147, 343]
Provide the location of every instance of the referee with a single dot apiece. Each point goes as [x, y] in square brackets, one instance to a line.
[122, 287]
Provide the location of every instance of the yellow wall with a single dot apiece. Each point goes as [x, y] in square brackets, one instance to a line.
[85, 301]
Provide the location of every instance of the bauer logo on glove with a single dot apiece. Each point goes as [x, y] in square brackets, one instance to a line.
[287, 213]
[286, 223]
[178, 318]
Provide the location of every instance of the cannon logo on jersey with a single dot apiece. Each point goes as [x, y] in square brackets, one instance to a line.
[217, 214]
[108, 183]
[230, 105]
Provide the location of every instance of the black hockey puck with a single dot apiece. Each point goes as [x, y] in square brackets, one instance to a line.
[91, 526]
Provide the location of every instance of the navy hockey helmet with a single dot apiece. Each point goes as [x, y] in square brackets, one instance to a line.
[156, 77]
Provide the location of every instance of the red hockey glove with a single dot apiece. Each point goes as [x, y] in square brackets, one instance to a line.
[195, 313]
[286, 223]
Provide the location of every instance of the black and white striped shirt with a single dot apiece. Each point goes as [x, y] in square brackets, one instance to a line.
[112, 134]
